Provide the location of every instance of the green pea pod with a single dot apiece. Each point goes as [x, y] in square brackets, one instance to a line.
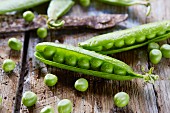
[128, 39]
[56, 9]
[100, 65]
[129, 3]
[12, 5]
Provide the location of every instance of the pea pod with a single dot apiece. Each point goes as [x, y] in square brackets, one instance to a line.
[12, 5]
[105, 65]
[56, 9]
[128, 39]
[129, 3]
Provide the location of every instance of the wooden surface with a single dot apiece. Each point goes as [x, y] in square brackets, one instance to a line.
[29, 73]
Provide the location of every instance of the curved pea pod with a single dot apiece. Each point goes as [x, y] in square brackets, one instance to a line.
[128, 39]
[93, 64]
[129, 3]
[56, 9]
[12, 5]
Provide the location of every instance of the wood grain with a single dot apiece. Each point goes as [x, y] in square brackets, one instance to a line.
[144, 98]
[9, 81]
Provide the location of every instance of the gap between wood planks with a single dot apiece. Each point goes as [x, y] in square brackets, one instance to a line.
[23, 73]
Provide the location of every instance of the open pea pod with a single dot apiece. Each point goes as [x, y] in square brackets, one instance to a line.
[128, 39]
[15, 5]
[56, 9]
[87, 62]
[129, 3]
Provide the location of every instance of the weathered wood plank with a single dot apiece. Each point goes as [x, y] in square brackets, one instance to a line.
[8, 81]
[145, 98]
[161, 87]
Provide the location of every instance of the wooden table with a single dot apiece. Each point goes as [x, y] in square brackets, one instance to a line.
[29, 72]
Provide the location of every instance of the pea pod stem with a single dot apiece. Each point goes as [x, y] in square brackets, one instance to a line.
[81, 53]
[56, 9]
[129, 3]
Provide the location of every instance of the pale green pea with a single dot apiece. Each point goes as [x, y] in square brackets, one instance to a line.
[47, 109]
[150, 36]
[8, 65]
[119, 43]
[153, 45]
[85, 3]
[140, 39]
[109, 45]
[161, 33]
[155, 56]
[129, 40]
[84, 63]
[28, 16]
[165, 49]
[29, 98]
[15, 44]
[59, 57]
[121, 99]
[95, 63]
[65, 106]
[49, 52]
[107, 67]
[119, 72]
[71, 60]
[50, 79]
[42, 32]
[81, 84]
[98, 48]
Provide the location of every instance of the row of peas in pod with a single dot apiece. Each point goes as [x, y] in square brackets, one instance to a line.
[156, 52]
[79, 60]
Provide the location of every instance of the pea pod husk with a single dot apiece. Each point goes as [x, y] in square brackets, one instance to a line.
[56, 9]
[158, 31]
[129, 3]
[79, 52]
[12, 5]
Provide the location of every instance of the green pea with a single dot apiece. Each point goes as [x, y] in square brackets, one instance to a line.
[29, 98]
[98, 48]
[119, 43]
[151, 36]
[161, 33]
[153, 45]
[155, 56]
[129, 40]
[49, 52]
[109, 45]
[65, 106]
[107, 67]
[119, 72]
[165, 49]
[8, 65]
[84, 63]
[81, 84]
[140, 39]
[85, 3]
[28, 16]
[15, 44]
[47, 109]
[50, 79]
[71, 60]
[42, 32]
[121, 99]
[59, 57]
[95, 63]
